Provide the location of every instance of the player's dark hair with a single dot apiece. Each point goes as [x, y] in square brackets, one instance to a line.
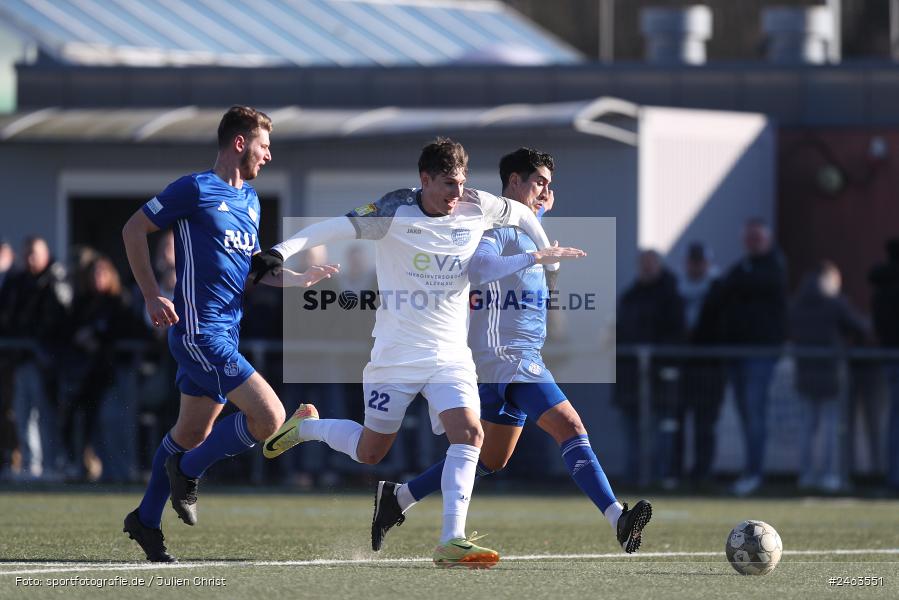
[241, 120]
[443, 156]
[523, 161]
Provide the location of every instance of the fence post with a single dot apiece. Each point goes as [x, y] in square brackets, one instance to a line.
[644, 397]
[844, 437]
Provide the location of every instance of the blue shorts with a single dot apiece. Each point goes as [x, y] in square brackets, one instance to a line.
[209, 365]
[529, 391]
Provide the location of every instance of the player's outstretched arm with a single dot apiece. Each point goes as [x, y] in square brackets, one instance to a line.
[312, 275]
[488, 263]
[272, 260]
[134, 234]
[555, 253]
[521, 216]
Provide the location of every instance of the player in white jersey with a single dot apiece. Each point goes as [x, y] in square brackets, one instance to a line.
[424, 240]
[506, 339]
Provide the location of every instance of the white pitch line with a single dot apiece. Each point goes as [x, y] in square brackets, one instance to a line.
[63, 567]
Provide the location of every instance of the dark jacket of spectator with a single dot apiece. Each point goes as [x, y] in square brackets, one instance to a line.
[36, 306]
[754, 300]
[884, 279]
[651, 312]
[821, 320]
[99, 320]
[709, 327]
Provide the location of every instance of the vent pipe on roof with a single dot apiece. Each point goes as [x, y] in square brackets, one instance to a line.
[676, 35]
[799, 34]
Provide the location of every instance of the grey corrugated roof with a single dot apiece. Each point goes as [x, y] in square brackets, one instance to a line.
[191, 125]
[283, 32]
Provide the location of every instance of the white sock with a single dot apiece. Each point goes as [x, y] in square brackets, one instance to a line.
[341, 434]
[404, 497]
[457, 482]
[612, 512]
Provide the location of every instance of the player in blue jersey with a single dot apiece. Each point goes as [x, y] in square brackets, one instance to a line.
[506, 345]
[215, 217]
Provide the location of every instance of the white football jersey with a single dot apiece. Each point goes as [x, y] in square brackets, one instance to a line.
[422, 265]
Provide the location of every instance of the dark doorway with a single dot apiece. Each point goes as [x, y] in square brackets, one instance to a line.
[96, 223]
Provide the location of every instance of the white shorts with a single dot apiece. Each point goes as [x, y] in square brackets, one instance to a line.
[396, 375]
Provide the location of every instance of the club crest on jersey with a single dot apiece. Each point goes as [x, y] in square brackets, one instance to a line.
[239, 240]
[461, 236]
[231, 369]
[534, 368]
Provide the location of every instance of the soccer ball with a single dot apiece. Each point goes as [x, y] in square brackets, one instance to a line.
[753, 548]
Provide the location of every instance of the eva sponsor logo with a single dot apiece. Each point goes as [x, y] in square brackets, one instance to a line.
[444, 262]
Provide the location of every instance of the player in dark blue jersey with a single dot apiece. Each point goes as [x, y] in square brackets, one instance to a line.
[215, 218]
[506, 338]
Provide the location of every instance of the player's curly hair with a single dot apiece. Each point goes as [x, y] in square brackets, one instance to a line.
[523, 161]
[442, 157]
[242, 120]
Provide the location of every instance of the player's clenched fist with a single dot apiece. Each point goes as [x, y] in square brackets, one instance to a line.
[269, 261]
[161, 311]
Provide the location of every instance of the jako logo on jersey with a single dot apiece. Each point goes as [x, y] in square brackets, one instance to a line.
[422, 261]
[240, 240]
[461, 236]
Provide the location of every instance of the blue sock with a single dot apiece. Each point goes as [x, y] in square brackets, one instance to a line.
[586, 471]
[429, 482]
[229, 437]
[153, 502]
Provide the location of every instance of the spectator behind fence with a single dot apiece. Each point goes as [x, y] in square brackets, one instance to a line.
[101, 315]
[703, 378]
[8, 441]
[650, 311]
[885, 280]
[754, 313]
[7, 259]
[159, 401]
[820, 317]
[36, 306]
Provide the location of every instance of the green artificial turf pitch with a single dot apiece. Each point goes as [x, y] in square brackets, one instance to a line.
[263, 546]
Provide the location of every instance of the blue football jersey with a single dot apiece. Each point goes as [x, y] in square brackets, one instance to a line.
[508, 317]
[216, 229]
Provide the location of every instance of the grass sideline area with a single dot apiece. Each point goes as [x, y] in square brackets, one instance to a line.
[317, 546]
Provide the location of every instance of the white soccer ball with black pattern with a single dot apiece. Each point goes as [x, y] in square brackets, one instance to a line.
[754, 548]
